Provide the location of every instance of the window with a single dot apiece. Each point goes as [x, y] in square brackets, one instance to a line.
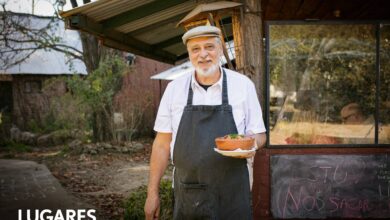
[323, 84]
[32, 86]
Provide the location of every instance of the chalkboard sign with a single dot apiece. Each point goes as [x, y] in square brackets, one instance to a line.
[330, 186]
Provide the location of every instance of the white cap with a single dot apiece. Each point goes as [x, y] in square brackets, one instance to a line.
[201, 31]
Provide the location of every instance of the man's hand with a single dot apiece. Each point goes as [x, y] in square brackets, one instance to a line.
[158, 164]
[152, 207]
[260, 140]
[248, 155]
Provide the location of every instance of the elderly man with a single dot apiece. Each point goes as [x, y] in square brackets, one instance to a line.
[194, 110]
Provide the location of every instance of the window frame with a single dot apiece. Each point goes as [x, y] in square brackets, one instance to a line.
[377, 24]
[28, 88]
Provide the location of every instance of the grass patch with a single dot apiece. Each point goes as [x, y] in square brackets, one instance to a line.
[17, 147]
[64, 151]
[134, 205]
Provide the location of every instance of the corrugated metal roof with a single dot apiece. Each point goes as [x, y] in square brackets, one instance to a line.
[112, 8]
[147, 28]
[160, 16]
[144, 27]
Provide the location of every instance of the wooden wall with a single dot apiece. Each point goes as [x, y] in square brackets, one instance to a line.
[141, 92]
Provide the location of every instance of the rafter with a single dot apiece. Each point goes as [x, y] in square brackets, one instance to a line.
[120, 40]
[139, 12]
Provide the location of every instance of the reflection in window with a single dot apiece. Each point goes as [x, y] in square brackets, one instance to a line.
[322, 84]
[384, 99]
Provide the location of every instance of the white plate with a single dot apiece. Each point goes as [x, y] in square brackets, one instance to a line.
[235, 153]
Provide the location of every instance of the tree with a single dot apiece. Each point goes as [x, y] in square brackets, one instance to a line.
[19, 41]
[97, 91]
[21, 35]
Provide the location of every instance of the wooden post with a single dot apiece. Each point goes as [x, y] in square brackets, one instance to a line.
[248, 43]
[225, 52]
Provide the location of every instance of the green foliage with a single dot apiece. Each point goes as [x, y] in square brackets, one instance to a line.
[134, 206]
[65, 150]
[98, 89]
[65, 112]
[5, 125]
[88, 97]
[16, 147]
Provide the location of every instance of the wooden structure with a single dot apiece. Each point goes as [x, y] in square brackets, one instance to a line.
[148, 28]
[23, 97]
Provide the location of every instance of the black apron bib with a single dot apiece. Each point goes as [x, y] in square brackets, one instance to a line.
[208, 185]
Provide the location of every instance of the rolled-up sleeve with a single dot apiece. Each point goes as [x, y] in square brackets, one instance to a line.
[254, 123]
[163, 121]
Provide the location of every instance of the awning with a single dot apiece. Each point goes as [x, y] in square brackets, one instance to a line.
[148, 27]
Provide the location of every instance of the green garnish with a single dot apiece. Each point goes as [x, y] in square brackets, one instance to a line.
[235, 136]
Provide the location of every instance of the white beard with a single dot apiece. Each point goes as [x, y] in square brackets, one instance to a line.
[208, 72]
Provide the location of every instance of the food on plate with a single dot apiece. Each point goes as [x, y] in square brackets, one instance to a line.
[234, 141]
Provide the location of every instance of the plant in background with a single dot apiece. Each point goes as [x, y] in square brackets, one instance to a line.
[5, 125]
[65, 114]
[97, 92]
[134, 206]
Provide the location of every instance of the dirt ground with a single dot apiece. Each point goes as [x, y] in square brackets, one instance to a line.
[104, 180]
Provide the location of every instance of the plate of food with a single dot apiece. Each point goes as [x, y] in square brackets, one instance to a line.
[236, 153]
[235, 145]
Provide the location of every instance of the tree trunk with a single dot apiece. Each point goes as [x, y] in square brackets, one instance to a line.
[93, 53]
[248, 41]
[102, 125]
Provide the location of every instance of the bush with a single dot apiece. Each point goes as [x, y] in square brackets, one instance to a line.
[134, 206]
[5, 125]
[14, 147]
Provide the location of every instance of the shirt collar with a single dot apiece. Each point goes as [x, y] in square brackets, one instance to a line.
[194, 82]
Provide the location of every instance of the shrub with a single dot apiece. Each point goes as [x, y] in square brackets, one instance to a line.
[134, 206]
[5, 125]
[12, 146]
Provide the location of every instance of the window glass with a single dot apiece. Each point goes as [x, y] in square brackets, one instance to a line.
[384, 99]
[322, 84]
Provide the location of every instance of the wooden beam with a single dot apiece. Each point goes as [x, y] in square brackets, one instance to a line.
[124, 47]
[128, 43]
[183, 56]
[168, 42]
[176, 39]
[139, 12]
[171, 21]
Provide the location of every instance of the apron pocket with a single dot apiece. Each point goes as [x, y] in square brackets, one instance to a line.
[195, 201]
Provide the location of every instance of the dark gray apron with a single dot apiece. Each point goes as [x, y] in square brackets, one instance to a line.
[208, 185]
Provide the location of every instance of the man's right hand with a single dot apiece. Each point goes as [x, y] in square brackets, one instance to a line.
[158, 164]
[152, 207]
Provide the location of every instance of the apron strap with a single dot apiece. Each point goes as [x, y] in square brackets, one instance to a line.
[190, 94]
[225, 99]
